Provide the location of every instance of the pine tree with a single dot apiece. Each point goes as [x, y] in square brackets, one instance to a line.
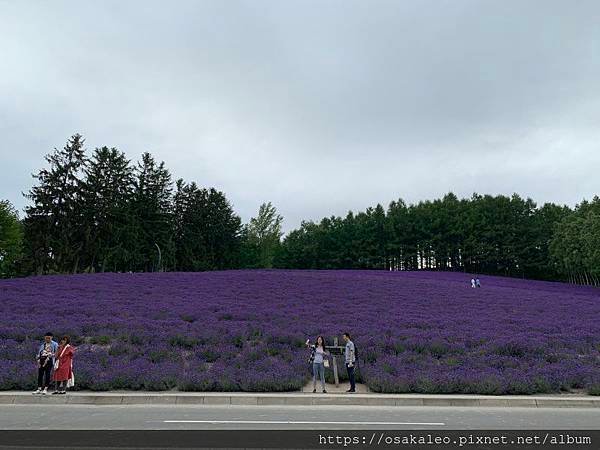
[107, 196]
[574, 246]
[208, 232]
[53, 222]
[11, 239]
[151, 207]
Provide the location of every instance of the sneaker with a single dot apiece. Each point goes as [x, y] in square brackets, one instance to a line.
[324, 391]
[314, 391]
[55, 392]
[350, 390]
[62, 392]
[45, 391]
[39, 391]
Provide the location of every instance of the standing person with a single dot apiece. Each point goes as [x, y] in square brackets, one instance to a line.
[477, 282]
[473, 283]
[63, 366]
[350, 359]
[317, 356]
[45, 361]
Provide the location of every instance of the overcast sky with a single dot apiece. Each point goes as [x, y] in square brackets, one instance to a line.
[317, 106]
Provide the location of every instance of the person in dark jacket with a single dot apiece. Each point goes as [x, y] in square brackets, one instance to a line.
[45, 362]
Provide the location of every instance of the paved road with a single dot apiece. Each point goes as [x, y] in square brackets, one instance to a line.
[143, 417]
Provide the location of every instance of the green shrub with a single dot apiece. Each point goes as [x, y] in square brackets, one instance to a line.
[183, 341]
[594, 389]
[101, 340]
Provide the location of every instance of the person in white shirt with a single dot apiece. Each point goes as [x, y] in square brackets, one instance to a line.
[350, 359]
[317, 357]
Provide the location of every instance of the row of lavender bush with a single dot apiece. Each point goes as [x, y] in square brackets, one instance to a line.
[245, 330]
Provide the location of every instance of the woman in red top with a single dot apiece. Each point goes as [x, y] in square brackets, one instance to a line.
[64, 372]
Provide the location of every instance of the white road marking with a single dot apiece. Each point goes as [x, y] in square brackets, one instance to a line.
[297, 422]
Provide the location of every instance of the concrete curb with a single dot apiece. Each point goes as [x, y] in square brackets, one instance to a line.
[298, 399]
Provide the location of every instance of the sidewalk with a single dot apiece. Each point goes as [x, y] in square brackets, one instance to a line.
[297, 399]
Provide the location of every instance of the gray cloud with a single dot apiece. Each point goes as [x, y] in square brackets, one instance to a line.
[319, 107]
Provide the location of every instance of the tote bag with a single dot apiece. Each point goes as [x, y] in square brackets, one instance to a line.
[57, 362]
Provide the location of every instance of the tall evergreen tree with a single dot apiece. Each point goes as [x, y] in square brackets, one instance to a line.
[11, 239]
[222, 231]
[372, 235]
[300, 249]
[107, 197]
[575, 244]
[151, 208]
[53, 221]
[187, 223]
[206, 229]
[398, 246]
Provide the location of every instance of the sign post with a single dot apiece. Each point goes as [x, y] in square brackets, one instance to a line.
[335, 350]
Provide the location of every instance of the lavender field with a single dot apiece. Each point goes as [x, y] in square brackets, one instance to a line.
[422, 332]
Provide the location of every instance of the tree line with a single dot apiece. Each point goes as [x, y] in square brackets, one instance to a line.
[103, 213]
[483, 234]
[496, 235]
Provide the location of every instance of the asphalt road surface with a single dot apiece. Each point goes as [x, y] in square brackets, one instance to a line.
[204, 417]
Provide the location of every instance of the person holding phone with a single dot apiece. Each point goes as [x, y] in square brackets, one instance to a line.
[45, 361]
[318, 358]
[350, 359]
